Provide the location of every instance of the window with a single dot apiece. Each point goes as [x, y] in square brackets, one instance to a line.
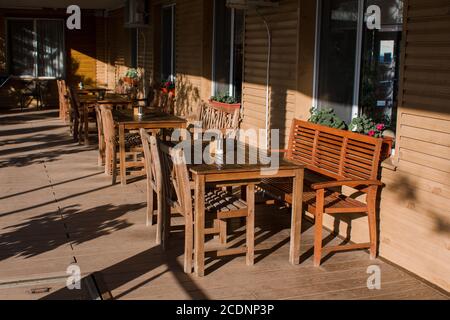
[167, 43]
[357, 68]
[134, 47]
[227, 50]
[36, 47]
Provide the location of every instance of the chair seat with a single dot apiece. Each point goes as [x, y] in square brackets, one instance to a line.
[335, 202]
[219, 200]
[131, 140]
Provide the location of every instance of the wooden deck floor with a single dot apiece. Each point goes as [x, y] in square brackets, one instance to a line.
[58, 208]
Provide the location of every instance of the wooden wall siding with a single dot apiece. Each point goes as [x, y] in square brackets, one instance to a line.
[2, 45]
[118, 50]
[189, 58]
[145, 54]
[415, 204]
[418, 193]
[101, 49]
[283, 22]
[81, 51]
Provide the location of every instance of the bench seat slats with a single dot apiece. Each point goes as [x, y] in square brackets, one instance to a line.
[333, 200]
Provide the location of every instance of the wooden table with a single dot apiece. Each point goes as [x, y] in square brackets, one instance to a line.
[203, 174]
[127, 120]
[88, 102]
[92, 89]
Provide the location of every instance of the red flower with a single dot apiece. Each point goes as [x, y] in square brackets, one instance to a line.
[380, 127]
[371, 133]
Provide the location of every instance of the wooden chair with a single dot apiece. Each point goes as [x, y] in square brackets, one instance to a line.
[75, 115]
[63, 100]
[132, 143]
[155, 180]
[78, 116]
[152, 164]
[218, 118]
[219, 204]
[101, 137]
[167, 102]
[348, 159]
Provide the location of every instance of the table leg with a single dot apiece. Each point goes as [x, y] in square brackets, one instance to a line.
[123, 173]
[199, 226]
[250, 228]
[296, 222]
[86, 124]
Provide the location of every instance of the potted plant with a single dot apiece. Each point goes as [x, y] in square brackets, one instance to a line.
[366, 125]
[225, 101]
[168, 87]
[131, 77]
[327, 117]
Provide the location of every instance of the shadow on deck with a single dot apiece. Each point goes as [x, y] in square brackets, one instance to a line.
[59, 209]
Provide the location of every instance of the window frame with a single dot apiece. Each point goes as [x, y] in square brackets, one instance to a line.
[231, 86]
[356, 109]
[35, 45]
[172, 75]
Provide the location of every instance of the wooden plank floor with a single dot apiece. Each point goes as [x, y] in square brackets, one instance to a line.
[58, 208]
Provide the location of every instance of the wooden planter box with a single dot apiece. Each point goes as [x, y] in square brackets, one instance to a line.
[386, 149]
[230, 107]
[131, 81]
[165, 90]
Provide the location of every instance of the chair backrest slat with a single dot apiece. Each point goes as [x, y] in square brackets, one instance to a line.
[213, 117]
[336, 153]
[108, 124]
[151, 160]
[176, 165]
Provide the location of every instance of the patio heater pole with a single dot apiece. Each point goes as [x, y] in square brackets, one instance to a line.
[269, 49]
[246, 5]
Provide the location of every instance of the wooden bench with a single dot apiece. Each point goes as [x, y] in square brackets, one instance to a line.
[348, 159]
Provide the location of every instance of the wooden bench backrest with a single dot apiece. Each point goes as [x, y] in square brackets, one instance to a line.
[213, 117]
[339, 154]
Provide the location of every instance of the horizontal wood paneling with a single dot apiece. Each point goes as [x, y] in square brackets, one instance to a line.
[101, 44]
[415, 206]
[414, 217]
[283, 23]
[118, 52]
[2, 45]
[82, 52]
[188, 52]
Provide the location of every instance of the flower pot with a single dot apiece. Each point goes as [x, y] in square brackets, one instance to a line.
[230, 107]
[386, 148]
[165, 90]
[128, 80]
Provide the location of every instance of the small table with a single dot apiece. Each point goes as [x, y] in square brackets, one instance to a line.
[88, 102]
[36, 90]
[127, 120]
[203, 174]
[92, 89]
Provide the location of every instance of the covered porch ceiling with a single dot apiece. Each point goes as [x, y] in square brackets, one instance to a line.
[84, 4]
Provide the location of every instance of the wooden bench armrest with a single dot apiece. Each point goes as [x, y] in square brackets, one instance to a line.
[348, 183]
